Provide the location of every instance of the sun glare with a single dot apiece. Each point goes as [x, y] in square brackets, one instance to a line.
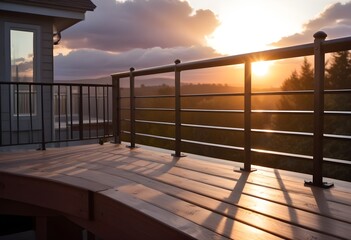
[261, 68]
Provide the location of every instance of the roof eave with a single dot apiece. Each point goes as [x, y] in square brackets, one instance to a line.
[62, 18]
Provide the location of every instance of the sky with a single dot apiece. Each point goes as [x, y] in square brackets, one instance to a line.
[120, 34]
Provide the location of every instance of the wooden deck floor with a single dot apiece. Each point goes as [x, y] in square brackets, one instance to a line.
[147, 194]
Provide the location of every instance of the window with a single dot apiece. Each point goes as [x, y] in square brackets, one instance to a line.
[22, 55]
[23, 66]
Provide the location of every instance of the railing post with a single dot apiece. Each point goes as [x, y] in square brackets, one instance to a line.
[81, 112]
[178, 123]
[247, 119]
[132, 109]
[318, 116]
[1, 133]
[43, 147]
[116, 117]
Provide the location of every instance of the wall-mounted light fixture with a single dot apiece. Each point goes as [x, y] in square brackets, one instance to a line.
[56, 38]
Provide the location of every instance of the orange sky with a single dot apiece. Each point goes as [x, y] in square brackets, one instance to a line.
[147, 33]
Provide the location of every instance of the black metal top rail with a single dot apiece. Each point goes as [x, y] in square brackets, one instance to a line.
[335, 45]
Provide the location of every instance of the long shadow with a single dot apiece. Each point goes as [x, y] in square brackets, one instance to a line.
[166, 167]
[225, 209]
[292, 213]
[322, 203]
[152, 168]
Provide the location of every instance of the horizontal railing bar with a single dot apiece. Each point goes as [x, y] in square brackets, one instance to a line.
[337, 112]
[334, 160]
[282, 153]
[327, 91]
[296, 51]
[308, 134]
[213, 144]
[301, 112]
[212, 127]
[283, 92]
[274, 54]
[212, 110]
[155, 109]
[282, 132]
[336, 45]
[156, 96]
[155, 122]
[155, 136]
[213, 95]
[331, 91]
[345, 137]
[283, 111]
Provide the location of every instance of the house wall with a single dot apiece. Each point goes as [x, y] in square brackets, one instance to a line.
[20, 126]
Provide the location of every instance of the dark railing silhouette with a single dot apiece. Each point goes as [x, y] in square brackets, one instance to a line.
[319, 48]
[42, 113]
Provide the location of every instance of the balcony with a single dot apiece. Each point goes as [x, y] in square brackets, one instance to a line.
[110, 191]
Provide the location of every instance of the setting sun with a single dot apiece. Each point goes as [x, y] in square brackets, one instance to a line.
[261, 68]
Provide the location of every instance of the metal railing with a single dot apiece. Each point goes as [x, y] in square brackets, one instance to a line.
[42, 113]
[319, 48]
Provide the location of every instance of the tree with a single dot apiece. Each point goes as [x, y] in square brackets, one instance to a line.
[297, 81]
[339, 73]
[338, 76]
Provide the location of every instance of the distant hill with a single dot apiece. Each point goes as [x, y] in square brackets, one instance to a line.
[124, 82]
[161, 81]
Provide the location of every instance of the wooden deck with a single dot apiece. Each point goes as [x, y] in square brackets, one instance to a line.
[118, 193]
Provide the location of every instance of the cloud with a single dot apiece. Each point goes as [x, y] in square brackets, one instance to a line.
[93, 63]
[121, 26]
[335, 21]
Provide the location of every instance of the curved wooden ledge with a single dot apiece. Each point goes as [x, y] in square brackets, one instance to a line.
[105, 213]
[45, 193]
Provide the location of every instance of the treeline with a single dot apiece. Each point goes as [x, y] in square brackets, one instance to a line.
[195, 112]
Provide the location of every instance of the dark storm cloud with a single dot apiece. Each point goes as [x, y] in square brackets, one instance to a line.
[91, 63]
[335, 21]
[115, 26]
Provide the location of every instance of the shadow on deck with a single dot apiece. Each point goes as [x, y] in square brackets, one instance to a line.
[117, 193]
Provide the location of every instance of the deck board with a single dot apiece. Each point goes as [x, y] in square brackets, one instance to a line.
[201, 198]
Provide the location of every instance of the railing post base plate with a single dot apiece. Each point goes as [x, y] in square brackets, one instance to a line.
[132, 147]
[324, 185]
[41, 148]
[179, 156]
[245, 170]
